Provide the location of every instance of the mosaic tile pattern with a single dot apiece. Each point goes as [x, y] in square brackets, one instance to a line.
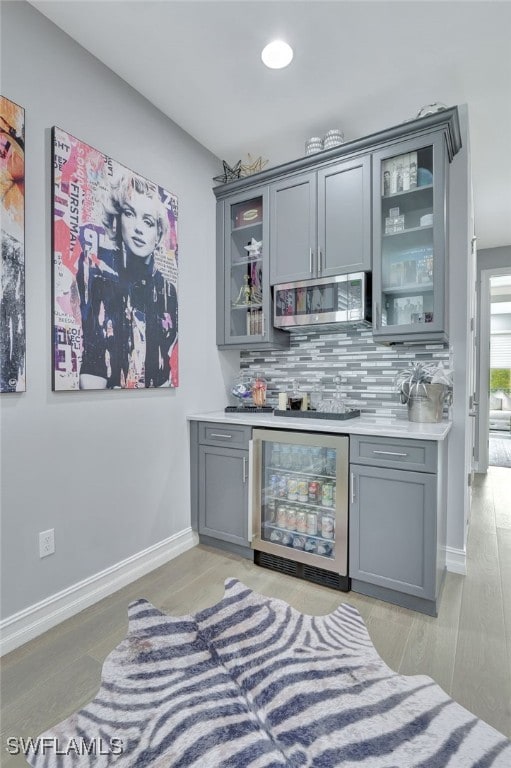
[367, 369]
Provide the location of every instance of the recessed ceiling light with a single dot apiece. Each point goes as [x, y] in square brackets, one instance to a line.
[277, 54]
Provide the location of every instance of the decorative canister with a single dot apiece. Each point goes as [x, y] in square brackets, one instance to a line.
[333, 138]
[313, 145]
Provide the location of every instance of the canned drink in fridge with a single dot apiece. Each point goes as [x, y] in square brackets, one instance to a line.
[283, 486]
[327, 495]
[327, 526]
[274, 485]
[312, 524]
[314, 491]
[282, 516]
[301, 521]
[291, 519]
[303, 490]
[270, 510]
[292, 489]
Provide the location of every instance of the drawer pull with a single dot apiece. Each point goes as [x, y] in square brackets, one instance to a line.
[223, 436]
[390, 453]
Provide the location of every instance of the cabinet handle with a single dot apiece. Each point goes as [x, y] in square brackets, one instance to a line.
[222, 436]
[390, 453]
[352, 488]
[244, 469]
[310, 260]
[377, 313]
[320, 268]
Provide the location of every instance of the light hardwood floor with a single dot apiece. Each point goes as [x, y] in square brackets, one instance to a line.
[466, 649]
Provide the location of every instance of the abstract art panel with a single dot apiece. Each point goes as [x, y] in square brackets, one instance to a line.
[115, 268]
[12, 237]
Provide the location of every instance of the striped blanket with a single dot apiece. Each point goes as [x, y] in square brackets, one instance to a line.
[253, 683]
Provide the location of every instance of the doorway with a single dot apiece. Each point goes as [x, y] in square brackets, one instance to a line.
[494, 424]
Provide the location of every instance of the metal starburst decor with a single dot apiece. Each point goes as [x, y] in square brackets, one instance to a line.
[229, 174]
[253, 166]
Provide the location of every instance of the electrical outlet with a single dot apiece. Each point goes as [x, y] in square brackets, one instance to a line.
[47, 543]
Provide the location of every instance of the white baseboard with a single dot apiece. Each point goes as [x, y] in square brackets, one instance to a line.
[23, 626]
[456, 560]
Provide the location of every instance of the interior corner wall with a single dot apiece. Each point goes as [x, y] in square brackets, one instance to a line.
[108, 470]
[460, 287]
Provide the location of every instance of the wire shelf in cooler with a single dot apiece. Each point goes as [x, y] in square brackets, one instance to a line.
[298, 541]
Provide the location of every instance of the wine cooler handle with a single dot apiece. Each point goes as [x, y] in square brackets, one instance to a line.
[250, 523]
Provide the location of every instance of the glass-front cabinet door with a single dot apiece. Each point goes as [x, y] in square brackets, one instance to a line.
[247, 319]
[300, 497]
[409, 255]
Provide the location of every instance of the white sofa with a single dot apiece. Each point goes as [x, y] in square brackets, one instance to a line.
[500, 411]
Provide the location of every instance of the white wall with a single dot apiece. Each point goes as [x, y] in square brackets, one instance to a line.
[461, 290]
[107, 470]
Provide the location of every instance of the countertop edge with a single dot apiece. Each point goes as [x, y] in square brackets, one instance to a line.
[362, 425]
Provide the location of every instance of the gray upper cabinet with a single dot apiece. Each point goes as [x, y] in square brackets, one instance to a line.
[378, 203]
[320, 222]
[344, 217]
[293, 228]
[244, 300]
[409, 249]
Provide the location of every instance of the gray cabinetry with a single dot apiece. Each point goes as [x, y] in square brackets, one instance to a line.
[397, 521]
[219, 475]
[409, 249]
[244, 300]
[320, 222]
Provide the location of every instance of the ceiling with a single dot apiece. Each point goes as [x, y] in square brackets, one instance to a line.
[360, 66]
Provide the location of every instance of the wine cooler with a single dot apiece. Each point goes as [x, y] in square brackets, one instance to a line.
[299, 504]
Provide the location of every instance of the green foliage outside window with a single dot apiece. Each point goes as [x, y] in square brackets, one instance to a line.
[500, 380]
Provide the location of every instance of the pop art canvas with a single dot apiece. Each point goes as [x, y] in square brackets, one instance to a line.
[115, 270]
[12, 237]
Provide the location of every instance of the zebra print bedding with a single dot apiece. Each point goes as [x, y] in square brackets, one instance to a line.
[253, 683]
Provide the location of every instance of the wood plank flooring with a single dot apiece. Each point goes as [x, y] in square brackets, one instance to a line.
[466, 649]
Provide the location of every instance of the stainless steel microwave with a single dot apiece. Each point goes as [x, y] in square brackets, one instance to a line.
[327, 300]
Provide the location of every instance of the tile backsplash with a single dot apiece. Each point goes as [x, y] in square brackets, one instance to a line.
[367, 369]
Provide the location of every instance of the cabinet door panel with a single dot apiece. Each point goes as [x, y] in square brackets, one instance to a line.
[393, 529]
[409, 241]
[293, 228]
[223, 494]
[344, 218]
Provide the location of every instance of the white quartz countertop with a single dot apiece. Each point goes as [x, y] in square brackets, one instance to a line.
[385, 426]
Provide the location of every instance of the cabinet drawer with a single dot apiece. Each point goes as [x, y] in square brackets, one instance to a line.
[418, 455]
[224, 434]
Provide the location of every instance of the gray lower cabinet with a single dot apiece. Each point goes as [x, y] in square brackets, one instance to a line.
[397, 521]
[219, 471]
